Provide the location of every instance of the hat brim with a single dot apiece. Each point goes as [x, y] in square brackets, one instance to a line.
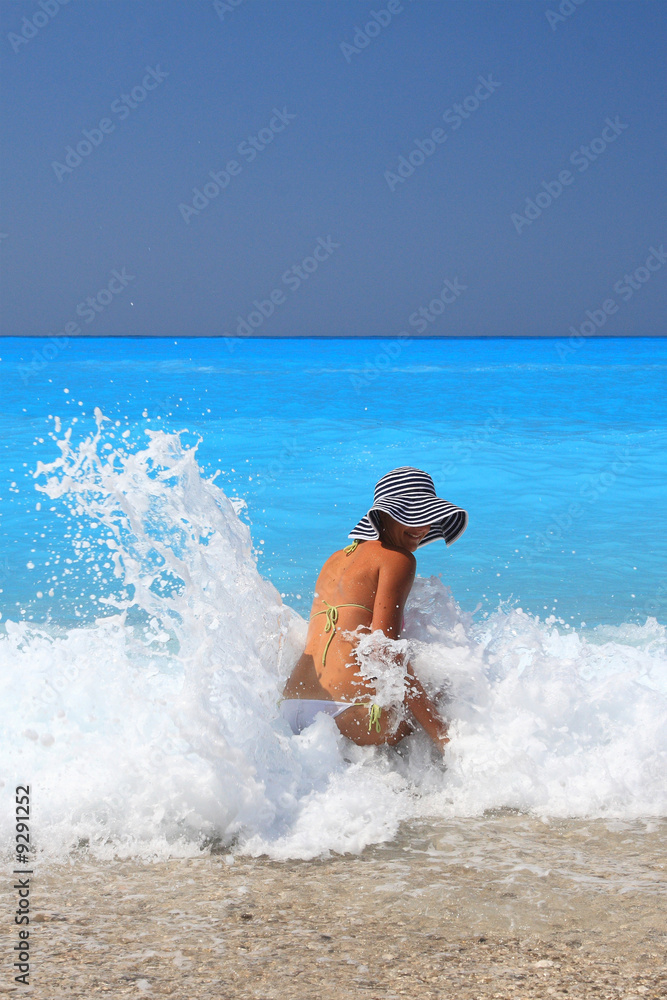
[448, 522]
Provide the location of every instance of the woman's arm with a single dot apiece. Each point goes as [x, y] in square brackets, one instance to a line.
[425, 711]
[396, 576]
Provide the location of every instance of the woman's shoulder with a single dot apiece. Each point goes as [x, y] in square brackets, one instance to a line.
[384, 555]
[373, 553]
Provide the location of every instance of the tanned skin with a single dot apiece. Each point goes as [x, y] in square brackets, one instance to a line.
[379, 576]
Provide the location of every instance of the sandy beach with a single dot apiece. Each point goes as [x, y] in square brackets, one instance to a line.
[505, 906]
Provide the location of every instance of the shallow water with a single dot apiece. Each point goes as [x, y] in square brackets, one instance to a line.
[152, 729]
[142, 591]
[500, 906]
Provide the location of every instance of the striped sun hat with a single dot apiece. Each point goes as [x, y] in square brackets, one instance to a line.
[409, 496]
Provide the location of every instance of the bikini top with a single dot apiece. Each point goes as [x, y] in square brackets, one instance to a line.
[331, 610]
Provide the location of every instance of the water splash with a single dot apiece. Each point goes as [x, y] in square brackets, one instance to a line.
[152, 729]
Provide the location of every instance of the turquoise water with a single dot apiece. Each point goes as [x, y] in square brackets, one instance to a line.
[559, 454]
[139, 612]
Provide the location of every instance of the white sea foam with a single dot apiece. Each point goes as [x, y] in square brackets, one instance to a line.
[153, 731]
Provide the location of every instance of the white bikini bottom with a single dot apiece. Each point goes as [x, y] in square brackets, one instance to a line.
[301, 712]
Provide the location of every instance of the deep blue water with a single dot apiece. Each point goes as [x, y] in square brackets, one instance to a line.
[560, 457]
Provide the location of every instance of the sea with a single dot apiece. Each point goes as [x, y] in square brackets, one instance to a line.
[165, 507]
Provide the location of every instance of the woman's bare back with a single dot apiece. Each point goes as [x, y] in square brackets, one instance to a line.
[345, 579]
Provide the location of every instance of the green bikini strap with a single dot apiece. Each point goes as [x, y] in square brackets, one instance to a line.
[331, 612]
[374, 718]
[349, 549]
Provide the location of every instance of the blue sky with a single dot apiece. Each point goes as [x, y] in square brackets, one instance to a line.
[351, 196]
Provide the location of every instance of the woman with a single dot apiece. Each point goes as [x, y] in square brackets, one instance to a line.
[367, 584]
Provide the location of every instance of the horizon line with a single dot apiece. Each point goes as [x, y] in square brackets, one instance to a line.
[339, 336]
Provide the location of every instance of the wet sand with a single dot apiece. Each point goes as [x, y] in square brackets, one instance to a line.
[505, 906]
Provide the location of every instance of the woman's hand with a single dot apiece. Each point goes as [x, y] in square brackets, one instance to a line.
[425, 711]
